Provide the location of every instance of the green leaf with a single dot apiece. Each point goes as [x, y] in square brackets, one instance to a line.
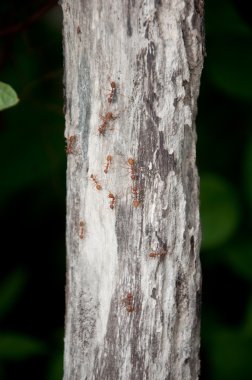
[8, 96]
[10, 290]
[220, 210]
[15, 346]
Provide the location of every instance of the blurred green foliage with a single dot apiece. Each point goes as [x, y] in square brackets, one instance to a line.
[220, 210]
[10, 290]
[32, 194]
[225, 167]
[247, 165]
[15, 346]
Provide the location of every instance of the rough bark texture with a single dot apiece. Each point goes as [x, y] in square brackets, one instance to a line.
[130, 316]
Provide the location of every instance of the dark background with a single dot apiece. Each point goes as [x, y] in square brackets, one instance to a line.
[32, 192]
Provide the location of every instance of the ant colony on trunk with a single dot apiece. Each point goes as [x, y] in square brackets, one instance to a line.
[107, 170]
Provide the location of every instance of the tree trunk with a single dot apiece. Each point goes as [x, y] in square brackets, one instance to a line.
[133, 233]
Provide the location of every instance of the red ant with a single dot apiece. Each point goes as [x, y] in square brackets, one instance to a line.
[105, 121]
[128, 303]
[82, 228]
[97, 184]
[112, 92]
[108, 163]
[161, 253]
[132, 167]
[112, 198]
[70, 144]
[135, 192]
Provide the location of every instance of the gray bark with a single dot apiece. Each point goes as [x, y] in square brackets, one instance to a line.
[130, 315]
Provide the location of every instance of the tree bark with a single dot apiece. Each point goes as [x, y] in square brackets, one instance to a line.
[133, 271]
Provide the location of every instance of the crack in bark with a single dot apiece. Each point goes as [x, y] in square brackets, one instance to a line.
[129, 27]
[84, 90]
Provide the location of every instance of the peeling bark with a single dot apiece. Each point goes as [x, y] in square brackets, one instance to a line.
[129, 315]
